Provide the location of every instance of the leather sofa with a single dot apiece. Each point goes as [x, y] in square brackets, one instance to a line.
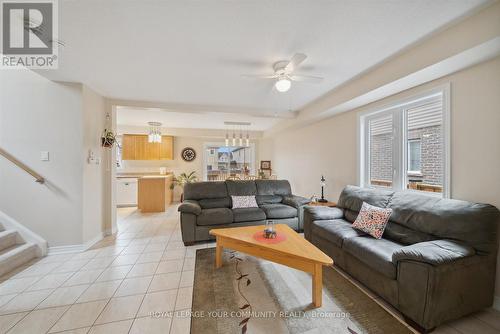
[207, 205]
[435, 262]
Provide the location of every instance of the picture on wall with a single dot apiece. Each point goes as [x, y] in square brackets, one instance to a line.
[265, 164]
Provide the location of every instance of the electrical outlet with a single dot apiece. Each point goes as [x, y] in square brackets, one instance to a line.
[44, 155]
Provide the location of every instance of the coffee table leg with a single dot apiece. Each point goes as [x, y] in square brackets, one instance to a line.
[218, 254]
[317, 285]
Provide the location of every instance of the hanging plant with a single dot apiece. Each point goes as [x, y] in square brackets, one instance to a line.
[108, 138]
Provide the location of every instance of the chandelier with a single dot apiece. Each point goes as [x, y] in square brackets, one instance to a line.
[154, 135]
[238, 135]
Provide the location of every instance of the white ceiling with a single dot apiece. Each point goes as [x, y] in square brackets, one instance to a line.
[191, 120]
[194, 52]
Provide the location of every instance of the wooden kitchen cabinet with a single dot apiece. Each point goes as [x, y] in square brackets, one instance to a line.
[137, 147]
[128, 147]
[167, 148]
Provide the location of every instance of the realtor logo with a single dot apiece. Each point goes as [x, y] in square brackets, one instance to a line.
[29, 34]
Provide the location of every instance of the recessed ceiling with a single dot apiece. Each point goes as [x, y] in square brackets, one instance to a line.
[193, 120]
[194, 52]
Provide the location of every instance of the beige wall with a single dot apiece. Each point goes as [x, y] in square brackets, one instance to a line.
[94, 174]
[195, 138]
[66, 120]
[329, 147]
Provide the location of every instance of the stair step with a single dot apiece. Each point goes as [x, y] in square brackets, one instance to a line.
[7, 239]
[15, 256]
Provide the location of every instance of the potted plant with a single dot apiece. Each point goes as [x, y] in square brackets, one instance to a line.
[183, 179]
[108, 138]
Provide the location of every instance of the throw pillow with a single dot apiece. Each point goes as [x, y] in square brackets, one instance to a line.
[372, 220]
[244, 202]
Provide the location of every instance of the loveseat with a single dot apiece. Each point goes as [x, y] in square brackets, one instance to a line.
[436, 260]
[208, 205]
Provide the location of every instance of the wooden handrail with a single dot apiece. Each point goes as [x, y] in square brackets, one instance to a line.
[19, 164]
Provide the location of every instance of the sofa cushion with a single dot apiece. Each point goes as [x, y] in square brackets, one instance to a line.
[279, 211]
[216, 216]
[352, 198]
[433, 252]
[404, 235]
[375, 253]
[211, 203]
[335, 230]
[472, 223]
[203, 190]
[248, 215]
[273, 187]
[241, 188]
[268, 199]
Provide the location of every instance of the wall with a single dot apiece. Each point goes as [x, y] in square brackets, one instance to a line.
[329, 147]
[94, 172]
[194, 138]
[39, 115]
[66, 120]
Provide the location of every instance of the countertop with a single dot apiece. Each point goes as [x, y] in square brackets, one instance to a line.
[142, 175]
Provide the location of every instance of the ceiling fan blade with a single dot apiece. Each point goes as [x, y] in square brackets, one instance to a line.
[306, 78]
[249, 76]
[295, 62]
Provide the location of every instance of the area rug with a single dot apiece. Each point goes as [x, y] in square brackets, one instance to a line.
[249, 295]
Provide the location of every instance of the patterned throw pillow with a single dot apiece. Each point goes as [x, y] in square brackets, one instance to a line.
[372, 220]
[244, 202]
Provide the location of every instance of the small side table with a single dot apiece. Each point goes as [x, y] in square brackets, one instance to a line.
[329, 204]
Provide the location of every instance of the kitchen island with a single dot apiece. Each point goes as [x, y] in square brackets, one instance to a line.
[153, 190]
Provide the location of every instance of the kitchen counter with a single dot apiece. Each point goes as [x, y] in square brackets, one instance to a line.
[140, 175]
[154, 193]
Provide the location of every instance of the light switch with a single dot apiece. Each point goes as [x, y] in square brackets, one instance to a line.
[44, 155]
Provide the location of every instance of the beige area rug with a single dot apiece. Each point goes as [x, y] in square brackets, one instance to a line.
[256, 296]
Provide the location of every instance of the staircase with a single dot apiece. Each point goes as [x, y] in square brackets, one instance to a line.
[14, 251]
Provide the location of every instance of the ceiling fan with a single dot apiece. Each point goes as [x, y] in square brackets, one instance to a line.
[283, 73]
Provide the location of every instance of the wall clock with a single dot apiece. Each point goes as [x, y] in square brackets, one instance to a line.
[188, 154]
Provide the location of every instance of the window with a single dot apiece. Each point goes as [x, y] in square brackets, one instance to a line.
[405, 145]
[414, 156]
[221, 162]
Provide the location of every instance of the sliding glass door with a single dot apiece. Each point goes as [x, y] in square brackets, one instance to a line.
[221, 162]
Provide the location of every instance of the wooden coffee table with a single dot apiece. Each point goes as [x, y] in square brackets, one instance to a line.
[295, 251]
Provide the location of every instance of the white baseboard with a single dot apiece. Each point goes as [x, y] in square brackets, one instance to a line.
[496, 303]
[26, 234]
[77, 248]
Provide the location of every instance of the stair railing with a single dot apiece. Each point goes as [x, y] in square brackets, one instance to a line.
[21, 165]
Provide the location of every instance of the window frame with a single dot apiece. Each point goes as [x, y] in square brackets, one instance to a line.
[400, 148]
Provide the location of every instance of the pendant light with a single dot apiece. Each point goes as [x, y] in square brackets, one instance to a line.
[154, 135]
[227, 139]
[247, 140]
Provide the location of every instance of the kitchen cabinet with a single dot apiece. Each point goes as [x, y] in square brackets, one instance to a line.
[137, 147]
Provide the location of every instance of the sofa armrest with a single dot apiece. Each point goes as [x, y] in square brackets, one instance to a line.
[190, 206]
[295, 201]
[312, 213]
[434, 252]
[324, 212]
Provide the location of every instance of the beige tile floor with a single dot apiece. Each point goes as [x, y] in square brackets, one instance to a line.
[112, 288]
[116, 286]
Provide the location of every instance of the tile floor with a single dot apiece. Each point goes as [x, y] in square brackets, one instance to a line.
[112, 288]
[116, 286]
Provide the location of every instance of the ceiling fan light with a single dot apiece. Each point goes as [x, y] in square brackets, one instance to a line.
[283, 85]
